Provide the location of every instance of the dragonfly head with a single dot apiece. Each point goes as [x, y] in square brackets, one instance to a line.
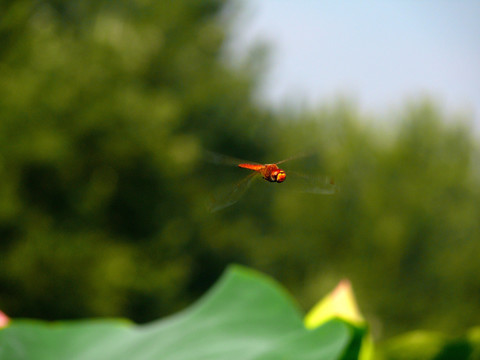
[279, 175]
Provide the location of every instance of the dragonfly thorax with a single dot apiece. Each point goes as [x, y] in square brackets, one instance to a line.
[272, 173]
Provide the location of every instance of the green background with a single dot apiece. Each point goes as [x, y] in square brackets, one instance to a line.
[105, 111]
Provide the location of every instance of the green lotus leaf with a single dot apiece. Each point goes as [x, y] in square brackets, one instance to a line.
[244, 316]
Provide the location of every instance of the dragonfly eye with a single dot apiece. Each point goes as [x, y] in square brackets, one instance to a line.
[281, 176]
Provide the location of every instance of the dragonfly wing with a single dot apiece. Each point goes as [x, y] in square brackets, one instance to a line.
[324, 185]
[301, 155]
[227, 197]
[220, 159]
[298, 156]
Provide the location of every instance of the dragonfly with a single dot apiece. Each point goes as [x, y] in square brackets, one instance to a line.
[270, 172]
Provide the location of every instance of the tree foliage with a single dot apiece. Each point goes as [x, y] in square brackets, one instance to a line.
[105, 108]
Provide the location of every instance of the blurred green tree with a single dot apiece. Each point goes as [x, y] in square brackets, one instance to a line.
[105, 108]
[404, 225]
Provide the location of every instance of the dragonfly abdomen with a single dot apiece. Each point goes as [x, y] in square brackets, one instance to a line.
[255, 167]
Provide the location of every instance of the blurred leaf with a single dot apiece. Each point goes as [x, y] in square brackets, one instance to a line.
[424, 345]
[340, 303]
[245, 316]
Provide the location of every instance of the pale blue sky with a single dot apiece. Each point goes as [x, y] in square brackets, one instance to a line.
[379, 53]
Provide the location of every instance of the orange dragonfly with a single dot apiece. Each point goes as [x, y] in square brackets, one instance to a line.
[269, 172]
